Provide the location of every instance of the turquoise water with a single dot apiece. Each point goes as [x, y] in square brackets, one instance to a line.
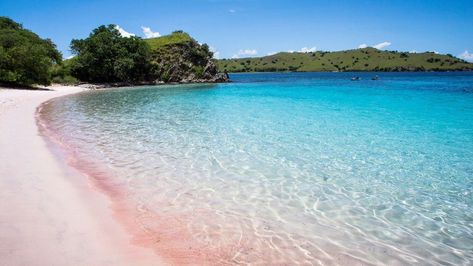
[290, 169]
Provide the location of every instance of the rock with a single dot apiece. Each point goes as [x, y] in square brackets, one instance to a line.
[186, 63]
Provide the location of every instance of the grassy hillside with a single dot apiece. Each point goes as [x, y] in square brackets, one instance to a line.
[177, 37]
[366, 59]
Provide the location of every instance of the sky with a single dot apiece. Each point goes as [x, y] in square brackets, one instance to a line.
[247, 28]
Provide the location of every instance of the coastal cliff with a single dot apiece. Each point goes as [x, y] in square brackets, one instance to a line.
[180, 58]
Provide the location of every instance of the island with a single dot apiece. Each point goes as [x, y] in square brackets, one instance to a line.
[363, 59]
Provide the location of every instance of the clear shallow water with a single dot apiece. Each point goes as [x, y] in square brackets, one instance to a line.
[291, 169]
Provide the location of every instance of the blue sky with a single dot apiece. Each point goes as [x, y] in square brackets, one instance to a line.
[243, 28]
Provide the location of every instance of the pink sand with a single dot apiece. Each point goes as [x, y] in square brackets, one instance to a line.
[50, 214]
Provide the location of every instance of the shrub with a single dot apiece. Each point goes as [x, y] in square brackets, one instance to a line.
[198, 71]
[62, 73]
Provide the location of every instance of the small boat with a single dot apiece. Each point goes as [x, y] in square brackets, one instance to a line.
[355, 79]
[375, 77]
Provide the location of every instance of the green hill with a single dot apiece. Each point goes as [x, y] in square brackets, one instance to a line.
[366, 59]
[178, 57]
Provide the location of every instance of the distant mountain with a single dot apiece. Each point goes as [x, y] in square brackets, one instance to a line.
[177, 57]
[366, 59]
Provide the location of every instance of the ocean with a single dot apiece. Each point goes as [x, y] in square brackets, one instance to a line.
[283, 168]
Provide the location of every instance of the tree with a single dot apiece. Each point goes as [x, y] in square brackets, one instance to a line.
[25, 58]
[106, 56]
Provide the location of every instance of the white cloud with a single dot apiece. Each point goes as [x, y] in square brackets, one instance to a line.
[271, 53]
[308, 50]
[149, 33]
[413, 52]
[123, 32]
[71, 56]
[246, 52]
[466, 56]
[216, 53]
[232, 11]
[382, 45]
[377, 46]
[304, 50]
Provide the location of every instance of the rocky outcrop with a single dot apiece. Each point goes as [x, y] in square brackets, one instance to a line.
[210, 74]
[186, 62]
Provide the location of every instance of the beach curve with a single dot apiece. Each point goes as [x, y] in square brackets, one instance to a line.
[166, 235]
[50, 214]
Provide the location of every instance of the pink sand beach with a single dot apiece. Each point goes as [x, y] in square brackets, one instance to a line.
[50, 214]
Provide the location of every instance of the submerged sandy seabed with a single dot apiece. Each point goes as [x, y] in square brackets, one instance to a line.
[49, 213]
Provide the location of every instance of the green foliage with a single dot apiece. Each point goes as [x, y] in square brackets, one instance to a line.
[366, 59]
[106, 56]
[198, 71]
[25, 58]
[62, 73]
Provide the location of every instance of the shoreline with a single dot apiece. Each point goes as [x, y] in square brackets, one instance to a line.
[50, 213]
[354, 71]
[164, 235]
[99, 86]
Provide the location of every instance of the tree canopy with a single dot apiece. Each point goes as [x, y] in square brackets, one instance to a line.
[25, 58]
[106, 56]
